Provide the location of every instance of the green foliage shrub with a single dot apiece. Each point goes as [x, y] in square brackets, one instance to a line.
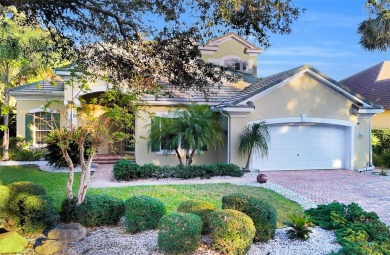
[300, 227]
[4, 196]
[54, 155]
[17, 143]
[264, 216]
[358, 231]
[27, 154]
[200, 208]
[29, 208]
[143, 212]
[384, 158]
[96, 210]
[179, 233]
[231, 231]
[126, 170]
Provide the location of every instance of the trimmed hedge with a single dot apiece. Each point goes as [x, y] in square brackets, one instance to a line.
[96, 210]
[125, 170]
[264, 216]
[143, 213]
[179, 233]
[231, 231]
[4, 196]
[28, 208]
[358, 231]
[200, 208]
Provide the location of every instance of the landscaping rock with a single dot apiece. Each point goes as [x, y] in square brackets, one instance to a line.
[73, 232]
[50, 247]
[12, 242]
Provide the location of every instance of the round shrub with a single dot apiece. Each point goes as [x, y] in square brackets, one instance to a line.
[19, 190]
[262, 213]
[96, 210]
[143, 212]
[200, 208]
[4, 196]
[179, 233]
[231, 231]
[68, 210]
[125, 170]
[36, 214]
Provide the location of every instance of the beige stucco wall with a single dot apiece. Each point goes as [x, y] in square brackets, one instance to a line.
[382, 120]
[141, 149]
[234, 48]
[303, 95]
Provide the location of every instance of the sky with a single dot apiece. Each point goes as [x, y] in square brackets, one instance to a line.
[325, 37]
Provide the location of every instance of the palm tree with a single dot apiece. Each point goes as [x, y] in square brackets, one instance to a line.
[193, 129]
[254, 139]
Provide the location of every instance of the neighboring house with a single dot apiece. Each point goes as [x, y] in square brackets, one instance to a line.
[374, 84]
[314, 122]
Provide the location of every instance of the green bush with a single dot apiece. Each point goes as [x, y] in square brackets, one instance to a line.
[68, 210]
[261, 212]
[358, 231]
[4, 196]
[17, 143]
[125, 170]
[200, 208]
[143, 212]
[384, 158]
[27, 154]
[231, 231]
[29, 208]
[179, 233]
[54, 154]
[299, 227]
[101, 209]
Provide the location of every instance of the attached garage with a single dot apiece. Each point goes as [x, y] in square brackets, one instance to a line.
[305, 146]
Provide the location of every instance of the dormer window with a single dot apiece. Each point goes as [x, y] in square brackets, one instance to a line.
[236, 64]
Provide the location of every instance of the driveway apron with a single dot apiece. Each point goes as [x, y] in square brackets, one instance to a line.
[345, 186]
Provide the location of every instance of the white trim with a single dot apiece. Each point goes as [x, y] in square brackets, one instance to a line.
[303, 119]
[42, 109]
[234, 37]
[306, 119]
[208, 48]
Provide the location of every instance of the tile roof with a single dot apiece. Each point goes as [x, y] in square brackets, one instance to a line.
[373, 83]
[39, 87]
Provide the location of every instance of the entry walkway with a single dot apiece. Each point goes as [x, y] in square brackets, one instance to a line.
[318, 186]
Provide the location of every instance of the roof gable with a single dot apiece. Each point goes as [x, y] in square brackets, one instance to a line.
[271, 83]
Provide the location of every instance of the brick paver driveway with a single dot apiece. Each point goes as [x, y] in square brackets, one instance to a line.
[324, 186]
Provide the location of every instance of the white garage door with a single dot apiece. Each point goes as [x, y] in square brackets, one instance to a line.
[302, 147]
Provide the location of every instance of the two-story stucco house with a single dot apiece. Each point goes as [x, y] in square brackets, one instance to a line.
[314, 122]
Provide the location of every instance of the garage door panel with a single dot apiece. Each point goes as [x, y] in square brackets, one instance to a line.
[295, 147]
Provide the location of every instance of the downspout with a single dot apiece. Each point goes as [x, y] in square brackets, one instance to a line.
[370, 145]
[227, 115]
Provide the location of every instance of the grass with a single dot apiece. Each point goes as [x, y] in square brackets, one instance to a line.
[171, 195]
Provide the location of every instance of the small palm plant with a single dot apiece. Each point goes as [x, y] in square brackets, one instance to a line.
[300, 227]
[254, 138]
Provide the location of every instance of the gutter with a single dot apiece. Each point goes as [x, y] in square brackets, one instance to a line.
[227, 115]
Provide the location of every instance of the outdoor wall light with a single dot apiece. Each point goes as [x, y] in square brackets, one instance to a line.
[361, 135]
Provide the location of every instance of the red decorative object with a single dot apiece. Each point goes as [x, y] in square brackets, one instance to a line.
[261, 178]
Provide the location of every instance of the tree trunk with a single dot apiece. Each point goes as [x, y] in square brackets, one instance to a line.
[6, 115]
[69, 184]
[246, 168]
[191, 156]
[178, 156]
[85, 173]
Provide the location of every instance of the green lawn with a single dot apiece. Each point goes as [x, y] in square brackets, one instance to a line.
[171, 195]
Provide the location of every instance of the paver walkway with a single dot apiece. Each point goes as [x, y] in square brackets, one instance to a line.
[320, 186]
[325, 186]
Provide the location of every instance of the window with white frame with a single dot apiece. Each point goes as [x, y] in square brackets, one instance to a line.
[236, 64]
[42, 126]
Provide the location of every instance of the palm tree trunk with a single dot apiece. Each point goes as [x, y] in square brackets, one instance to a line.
[246, 168]
[178, 156]
[6, 115]
[191, 156]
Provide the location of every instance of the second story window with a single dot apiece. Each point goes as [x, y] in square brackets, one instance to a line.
[235, 64]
